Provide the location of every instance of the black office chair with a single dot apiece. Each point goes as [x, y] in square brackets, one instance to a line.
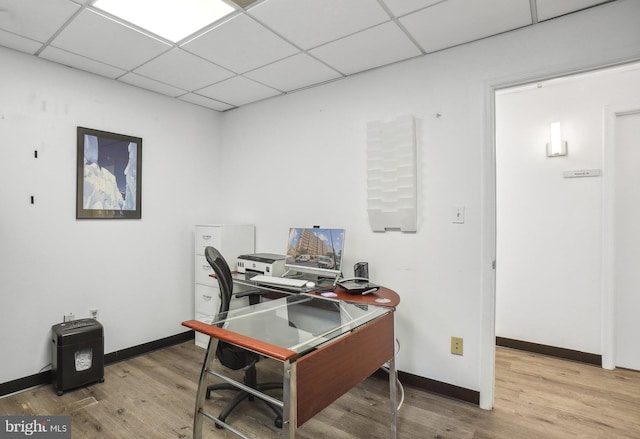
[234, 357]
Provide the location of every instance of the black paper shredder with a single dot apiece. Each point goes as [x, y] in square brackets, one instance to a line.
[77, 354]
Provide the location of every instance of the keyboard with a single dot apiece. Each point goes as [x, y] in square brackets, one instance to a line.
[279, 281]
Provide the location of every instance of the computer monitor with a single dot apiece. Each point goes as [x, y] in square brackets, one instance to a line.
[316, 251]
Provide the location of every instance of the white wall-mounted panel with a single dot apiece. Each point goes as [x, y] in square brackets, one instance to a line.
[392, 175]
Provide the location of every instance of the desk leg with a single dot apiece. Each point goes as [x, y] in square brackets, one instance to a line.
[393, 396]
[290, 400]
[202, 387]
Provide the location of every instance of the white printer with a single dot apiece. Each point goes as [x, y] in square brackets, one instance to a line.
[267, 264]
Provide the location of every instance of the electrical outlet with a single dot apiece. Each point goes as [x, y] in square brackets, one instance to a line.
[69, 317]
[456, 345]
[93, 313]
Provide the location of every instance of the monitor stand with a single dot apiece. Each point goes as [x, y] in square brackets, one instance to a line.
[320, 280]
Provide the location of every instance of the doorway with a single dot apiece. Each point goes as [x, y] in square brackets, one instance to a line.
[550, 211]
[621, 237]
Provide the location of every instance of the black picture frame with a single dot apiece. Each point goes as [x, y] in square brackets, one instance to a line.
[109, 175]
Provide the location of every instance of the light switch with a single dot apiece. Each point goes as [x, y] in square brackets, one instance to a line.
[458, 215]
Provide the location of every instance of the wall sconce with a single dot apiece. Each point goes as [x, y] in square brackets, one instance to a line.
[557, 146]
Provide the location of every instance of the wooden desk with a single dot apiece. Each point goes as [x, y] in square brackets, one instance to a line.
[310, 380]
[369, 299]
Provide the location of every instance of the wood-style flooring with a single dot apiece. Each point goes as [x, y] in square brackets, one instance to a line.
[152, 396]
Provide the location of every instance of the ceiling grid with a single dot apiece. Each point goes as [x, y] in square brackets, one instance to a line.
[265, 48]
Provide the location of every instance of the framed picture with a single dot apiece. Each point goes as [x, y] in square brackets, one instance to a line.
[109, 178]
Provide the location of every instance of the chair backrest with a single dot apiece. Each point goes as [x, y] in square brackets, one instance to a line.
[229, 355]
[223, 273]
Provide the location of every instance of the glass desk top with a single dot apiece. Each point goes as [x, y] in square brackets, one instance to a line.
[298, 322]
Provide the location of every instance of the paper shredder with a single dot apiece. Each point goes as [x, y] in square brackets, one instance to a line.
[77, 354]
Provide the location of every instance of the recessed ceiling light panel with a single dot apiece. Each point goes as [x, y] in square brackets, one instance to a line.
[170, 19]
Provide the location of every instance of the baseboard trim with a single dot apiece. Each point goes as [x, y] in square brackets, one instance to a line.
[438, 387]
[552, 351]
[24, 383]
[134, 351]
[444, 389]
[429, 385]
[45, 377]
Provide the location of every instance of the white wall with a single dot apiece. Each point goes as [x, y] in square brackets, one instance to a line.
[307, 151]
[549, 247]
[138, 273]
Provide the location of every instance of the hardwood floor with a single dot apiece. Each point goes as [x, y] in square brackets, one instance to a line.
[152, 396]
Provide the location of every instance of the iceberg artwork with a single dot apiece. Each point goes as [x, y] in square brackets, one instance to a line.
[110, 168]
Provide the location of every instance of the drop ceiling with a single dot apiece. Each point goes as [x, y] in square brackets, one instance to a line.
[265, 48]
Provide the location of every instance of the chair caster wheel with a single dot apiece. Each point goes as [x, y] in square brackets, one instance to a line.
[278, 422]
[219, 427]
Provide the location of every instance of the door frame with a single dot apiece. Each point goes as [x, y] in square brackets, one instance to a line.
[610, 115]
[489, 230]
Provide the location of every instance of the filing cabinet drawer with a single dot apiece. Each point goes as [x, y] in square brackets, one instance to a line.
[207, 236]
[207, 300]
[203, 270]
[231, 240]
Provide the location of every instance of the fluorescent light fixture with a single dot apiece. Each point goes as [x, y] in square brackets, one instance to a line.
[557, 146]
[170, 19]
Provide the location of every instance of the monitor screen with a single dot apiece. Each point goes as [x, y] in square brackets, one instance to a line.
[316, 251]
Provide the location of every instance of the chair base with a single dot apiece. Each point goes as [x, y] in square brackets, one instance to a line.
[250, 380]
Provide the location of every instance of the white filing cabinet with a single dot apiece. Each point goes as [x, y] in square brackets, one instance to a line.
[232, 240]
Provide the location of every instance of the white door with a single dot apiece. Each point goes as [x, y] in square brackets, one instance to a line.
[626, 227]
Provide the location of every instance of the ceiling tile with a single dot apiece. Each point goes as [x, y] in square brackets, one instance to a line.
[402, 7]
[553, 8]
[19, 43]
[150, 84]
[274, 46]
[238, 91]
[100, 38]
[205, 102]
[311, 23]
[35, 19]
[80, 62]
[378, 46]
[183, 70]
[240, 44]
[460, 21]
[294, 72]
